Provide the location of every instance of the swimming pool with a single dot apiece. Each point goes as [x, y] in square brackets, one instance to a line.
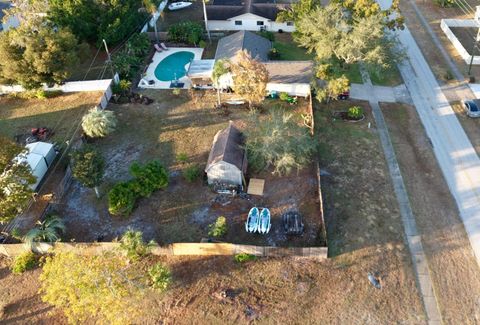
[173, 66]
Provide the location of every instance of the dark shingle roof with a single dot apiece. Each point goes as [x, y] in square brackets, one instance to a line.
[256, 45]
[228, 147]
[226, 9]
[289, 72]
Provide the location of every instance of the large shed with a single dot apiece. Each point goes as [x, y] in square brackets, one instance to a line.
[227, 162]
[39, 157]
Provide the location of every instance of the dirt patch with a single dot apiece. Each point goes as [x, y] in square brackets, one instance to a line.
[452, 265]
[185, 125]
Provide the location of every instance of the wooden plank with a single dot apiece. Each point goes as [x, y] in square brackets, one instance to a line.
[203, 249]
[256, 186]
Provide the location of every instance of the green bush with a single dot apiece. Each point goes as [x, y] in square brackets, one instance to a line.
[182, 157]
[445, 3]
[148, 178]
[133, 245]
[218, 228]
[122, 87]
[202, 44]
[121, 199]
[244, 257]
[268, 35]
[23, 262]
[185, 32]
[139, 45]
[176, 91]
[273, 54]
[284, 96]
[160, 277]
[355, 113]
[191, 173]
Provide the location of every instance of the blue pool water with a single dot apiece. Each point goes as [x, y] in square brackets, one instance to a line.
[173, 66]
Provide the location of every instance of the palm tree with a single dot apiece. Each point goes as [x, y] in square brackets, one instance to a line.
[152, 10]
[99, 123]
[46, 231]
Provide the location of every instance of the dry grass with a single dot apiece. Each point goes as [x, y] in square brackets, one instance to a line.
[471, 126]
[452, 265]
[62, 114]
[365, 236]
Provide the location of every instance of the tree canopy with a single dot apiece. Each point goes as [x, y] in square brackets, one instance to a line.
[34, 56]
[88, 167]
[250, 78]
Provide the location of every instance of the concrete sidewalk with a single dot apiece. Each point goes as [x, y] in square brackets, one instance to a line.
[398, 94]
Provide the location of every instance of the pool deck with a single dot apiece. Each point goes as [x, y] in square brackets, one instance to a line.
[157, 58]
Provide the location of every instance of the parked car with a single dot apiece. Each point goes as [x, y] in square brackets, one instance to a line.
[472, 107]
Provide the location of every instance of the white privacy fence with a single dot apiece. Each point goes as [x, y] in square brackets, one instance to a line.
[447, 24]
[74, 86]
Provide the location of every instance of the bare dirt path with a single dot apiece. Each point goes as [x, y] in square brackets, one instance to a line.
[452, 264]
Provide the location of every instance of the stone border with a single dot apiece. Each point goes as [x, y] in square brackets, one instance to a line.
[445, 24]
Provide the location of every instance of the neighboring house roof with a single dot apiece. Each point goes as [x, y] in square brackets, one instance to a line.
[256, 45]
[228, 147]
[226, 9]
[289, 72]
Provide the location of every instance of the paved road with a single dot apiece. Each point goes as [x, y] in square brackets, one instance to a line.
[455, 154]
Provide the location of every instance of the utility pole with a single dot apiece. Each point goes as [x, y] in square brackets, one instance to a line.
[109, 60]
[206, 20]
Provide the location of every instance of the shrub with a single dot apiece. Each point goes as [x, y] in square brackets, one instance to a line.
[445, 3]
[202, 44]
[122, 87]
[244, 257]
[284, 96]
[273, 54]
[133, 245]
[160, 277]
[191, 173]
[185, 32]
[139, 45]
[268, 35]
[355, 113]
[47, 230]
[279, 142]
[99, 123]
[148, 178]
[218, 228]
[88, 167]
[182, 157]
[121, 199]
[220, 68]
[176, 91]
[23, 262]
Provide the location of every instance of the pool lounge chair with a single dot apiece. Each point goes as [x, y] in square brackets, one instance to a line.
[157, 48]
[164, 47]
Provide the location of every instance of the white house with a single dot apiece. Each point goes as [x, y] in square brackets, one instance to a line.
[252, 15]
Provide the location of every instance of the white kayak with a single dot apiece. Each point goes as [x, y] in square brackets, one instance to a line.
[252, 221]
[179, 5]
[264, 224]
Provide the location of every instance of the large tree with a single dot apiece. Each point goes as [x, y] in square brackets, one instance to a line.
[88, 167]
[34, 56]
[250, 78]
[103, 288]
[15, 180]
[331, 34]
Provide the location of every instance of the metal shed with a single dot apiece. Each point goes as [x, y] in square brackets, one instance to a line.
[227, 162]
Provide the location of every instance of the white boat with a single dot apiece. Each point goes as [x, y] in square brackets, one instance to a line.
[252, 221]
[179, 5]
[264, 224]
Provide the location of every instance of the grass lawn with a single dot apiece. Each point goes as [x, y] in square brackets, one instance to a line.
[62, 113]
[388, 77]
[289, 50]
